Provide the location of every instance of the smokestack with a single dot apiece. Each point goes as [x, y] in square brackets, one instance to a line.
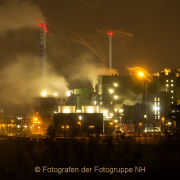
[110, 49]
[43, 31]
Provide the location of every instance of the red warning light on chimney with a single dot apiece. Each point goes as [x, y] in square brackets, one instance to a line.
[109, 33]
[44, 26]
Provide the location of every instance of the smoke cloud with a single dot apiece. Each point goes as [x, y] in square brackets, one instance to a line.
[21, 82]
[90, 70]
[15, 15]
[130, 98]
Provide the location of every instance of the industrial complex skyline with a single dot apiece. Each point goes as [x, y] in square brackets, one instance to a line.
[78, 44]
[89, 89]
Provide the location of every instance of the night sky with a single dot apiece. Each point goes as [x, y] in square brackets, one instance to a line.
[146, 34]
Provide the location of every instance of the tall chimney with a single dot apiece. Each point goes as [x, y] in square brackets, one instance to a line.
[110, 49]
[43, 31]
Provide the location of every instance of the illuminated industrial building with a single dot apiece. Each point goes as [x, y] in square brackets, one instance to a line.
[83, 96]
[122, 91]
[73, 124]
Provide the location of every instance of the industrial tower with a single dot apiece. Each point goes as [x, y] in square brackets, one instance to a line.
[110, 49]
[43, 31]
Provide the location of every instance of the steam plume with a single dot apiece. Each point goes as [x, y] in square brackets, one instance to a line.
[15, 15]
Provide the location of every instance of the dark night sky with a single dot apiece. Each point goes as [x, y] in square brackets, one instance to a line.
[77, 34]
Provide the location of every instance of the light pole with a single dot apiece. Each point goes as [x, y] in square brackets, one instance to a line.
[64, 130]
[141, 74]
[140, 124]
[91, 127]
[163, 119]
[112, 126]
[80, 128]
[67, 127]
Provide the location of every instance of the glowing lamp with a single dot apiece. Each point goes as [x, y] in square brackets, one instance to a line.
[140, 74]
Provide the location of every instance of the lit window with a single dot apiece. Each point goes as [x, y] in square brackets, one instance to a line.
[155, 103]
[171, 84]
[171, 80]
[158, 117]
[172, 91]
[158, 103]
[158, 108]
[158, 99]
[166, 80]
[172, 97]
[158, 112]
[167, 84]
[172, 102]
[155, 117]
[155, 98]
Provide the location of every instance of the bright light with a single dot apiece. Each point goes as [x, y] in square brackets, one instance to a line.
[62, 127]
[155, 108]
[44, 94]
[80, 117]
[66, 111]
[115, 84]
[67, 127]
[115, 110]
[109, 33]
[55, 112]
[140, 74]
[111, 123]
[105, 112]
[55, 94]
[78, 111]
[111, 91]
[91, 126]
[121, 110]
[115, 97]
[68, 93]
[169, 123]
[111, 114]
[90, 110]
[145, 116]
[115, 120]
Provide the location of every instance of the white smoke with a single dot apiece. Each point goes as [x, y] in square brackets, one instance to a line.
[88, 69]
[15, 15]
[21, 81]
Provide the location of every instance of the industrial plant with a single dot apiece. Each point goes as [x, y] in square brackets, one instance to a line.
[118, 103]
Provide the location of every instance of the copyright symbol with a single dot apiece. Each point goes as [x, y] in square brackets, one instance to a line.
[37, 169]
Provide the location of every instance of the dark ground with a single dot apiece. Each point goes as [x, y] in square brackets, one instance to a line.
[19, 157]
